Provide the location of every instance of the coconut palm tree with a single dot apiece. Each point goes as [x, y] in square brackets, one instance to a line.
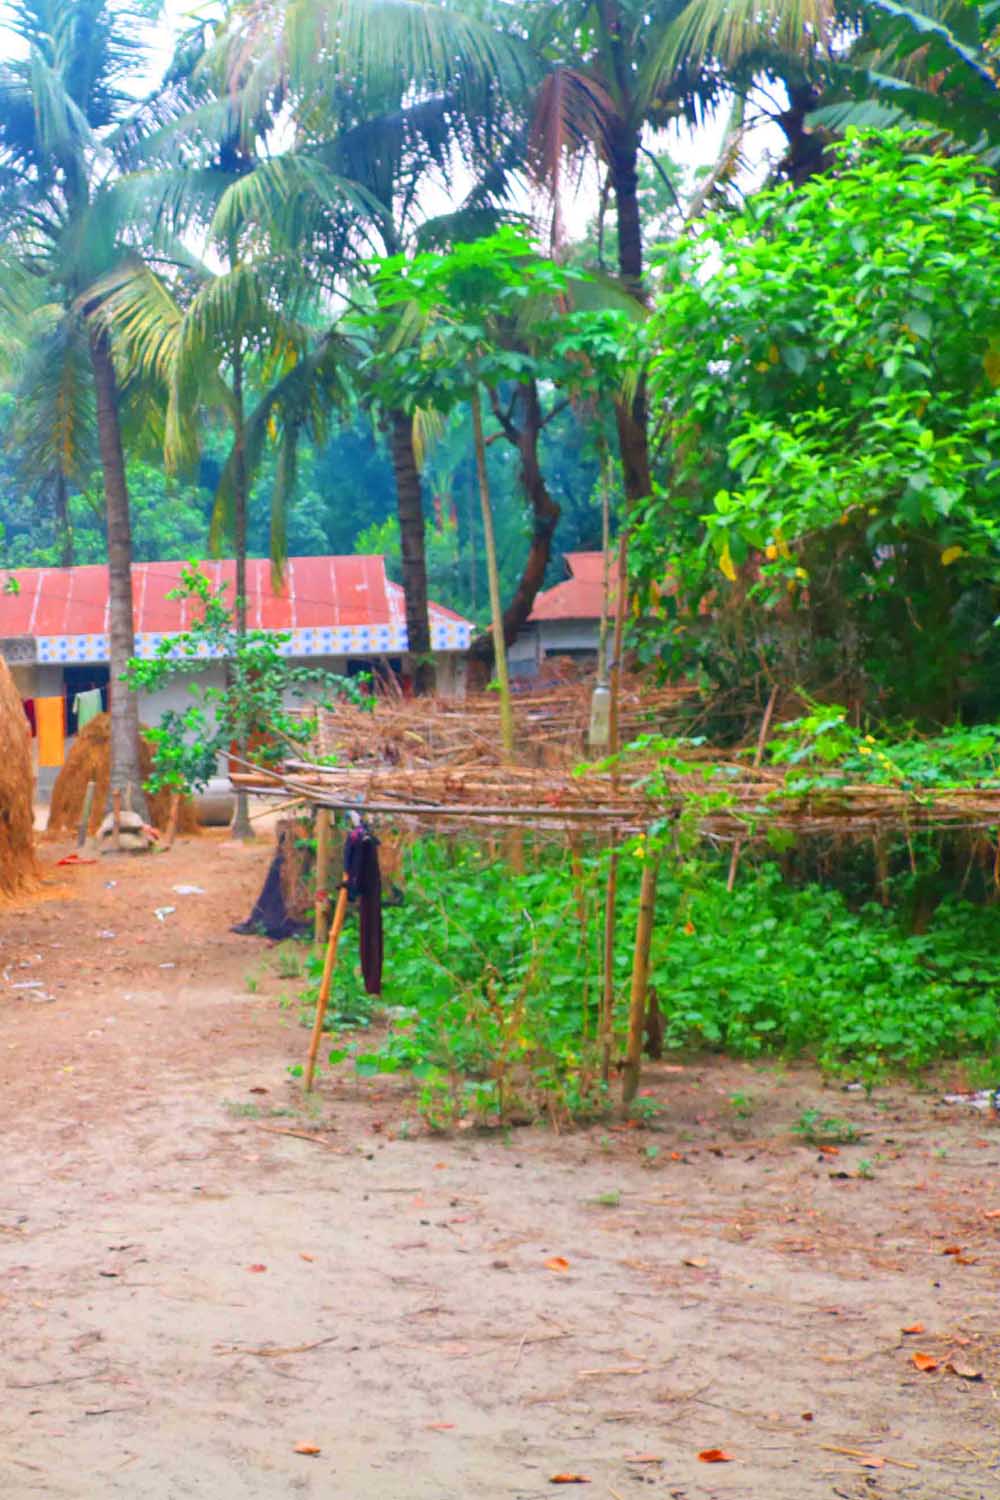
[426, 102]
[64, 132]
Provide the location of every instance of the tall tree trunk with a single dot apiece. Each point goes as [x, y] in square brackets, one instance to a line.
[242, 828]
[545, 518]
[64, 532]
[126, 769]
[631, 415]
[409, 501]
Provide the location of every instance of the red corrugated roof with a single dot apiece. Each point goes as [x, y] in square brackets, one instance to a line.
[581, 597]
[319, 592]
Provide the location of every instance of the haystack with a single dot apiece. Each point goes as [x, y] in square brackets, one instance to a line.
[17, 790]
[90, 760]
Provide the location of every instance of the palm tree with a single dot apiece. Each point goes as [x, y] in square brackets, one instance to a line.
[618, 70]
[63, 138]
[213, 332]
[427, 90]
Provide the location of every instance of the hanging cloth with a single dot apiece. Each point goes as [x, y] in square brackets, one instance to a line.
[50, 716]
[87, 706]
[364, 885]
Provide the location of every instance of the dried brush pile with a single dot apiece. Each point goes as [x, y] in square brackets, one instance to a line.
[90, 760]
[17, 787]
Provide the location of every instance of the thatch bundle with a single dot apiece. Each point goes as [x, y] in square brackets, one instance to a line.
[17, 787]
[90, 760]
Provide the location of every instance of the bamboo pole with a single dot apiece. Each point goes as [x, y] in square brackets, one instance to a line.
[492, 573]
[765, 725]
[640, 979]
[514, 842]
[322, 874]
[614, 745]
[324, 989]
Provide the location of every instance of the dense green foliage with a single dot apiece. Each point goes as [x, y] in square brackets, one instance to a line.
[492, 985]
[825, 367]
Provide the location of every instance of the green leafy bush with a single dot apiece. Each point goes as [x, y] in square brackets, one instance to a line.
[492, 987]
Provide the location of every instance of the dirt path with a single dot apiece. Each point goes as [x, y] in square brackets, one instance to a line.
[186, 1293]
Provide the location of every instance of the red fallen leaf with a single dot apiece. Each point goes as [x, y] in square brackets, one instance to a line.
[439, 1426]
[807, 1416]
[569, 1479]
[913, 1328]
[829, 1150]
[304, 1256]
[676, 1156]
[952, 1250]
[256, 1268]
[557, 1263]
[715, 1456]
[310, 1450]
[925, 1362]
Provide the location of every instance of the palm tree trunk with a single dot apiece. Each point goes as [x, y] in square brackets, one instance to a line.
[64, 532]
[631, 416]
[546, 513]
[126, 769]
[242, 828]
[410, 507]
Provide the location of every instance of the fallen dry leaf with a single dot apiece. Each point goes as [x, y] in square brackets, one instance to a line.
[695, 1261]
[557, 1263]
[309, 1450]
[872, 1462]
[829, 1150]
[992, 1213]
[256, 1268]
[952, 1250]
[304, 1256]
[964, 1372]
[715, 1456]
[966, 1260]
[569, 1479]
[807, 1416]
[439, 1426]
[925, 1362]
[913, 1328]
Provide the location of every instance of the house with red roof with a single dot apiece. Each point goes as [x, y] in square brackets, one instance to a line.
[566, 618]
[339, 613]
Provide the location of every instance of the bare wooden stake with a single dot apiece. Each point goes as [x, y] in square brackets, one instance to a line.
[765, 725]
[322, 874]
[640, 979]
[324, 989]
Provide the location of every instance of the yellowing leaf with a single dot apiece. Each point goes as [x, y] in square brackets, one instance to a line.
[949, 555]
[726, 565]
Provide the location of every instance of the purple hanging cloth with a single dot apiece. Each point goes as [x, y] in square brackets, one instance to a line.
[364, 885]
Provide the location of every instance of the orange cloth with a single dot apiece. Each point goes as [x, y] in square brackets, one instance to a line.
[50, 716]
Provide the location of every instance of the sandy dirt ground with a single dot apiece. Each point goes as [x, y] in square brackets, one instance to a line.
[188, 1291]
